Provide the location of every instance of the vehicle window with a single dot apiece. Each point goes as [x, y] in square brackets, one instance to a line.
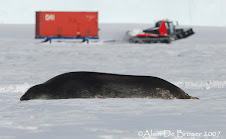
[158, 24]
[171, 27]
[167, 26]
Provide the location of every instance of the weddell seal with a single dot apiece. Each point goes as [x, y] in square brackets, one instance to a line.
[104, 85]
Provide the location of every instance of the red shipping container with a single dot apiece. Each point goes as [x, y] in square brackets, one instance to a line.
[66, 24]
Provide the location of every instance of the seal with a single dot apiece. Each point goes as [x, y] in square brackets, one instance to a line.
[104, 85]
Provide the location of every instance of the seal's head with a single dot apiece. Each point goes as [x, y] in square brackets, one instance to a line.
[35, 92]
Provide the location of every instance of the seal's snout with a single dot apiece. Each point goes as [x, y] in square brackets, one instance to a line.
[30, 94]
[23, 98]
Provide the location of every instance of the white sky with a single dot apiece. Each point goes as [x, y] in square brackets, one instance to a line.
[186, 12]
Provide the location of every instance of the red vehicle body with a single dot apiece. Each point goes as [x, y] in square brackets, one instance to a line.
[66, 24]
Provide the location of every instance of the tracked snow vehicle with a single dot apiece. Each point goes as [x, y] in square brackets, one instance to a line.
[163, 32]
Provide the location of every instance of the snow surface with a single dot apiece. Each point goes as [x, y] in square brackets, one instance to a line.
[196, 64]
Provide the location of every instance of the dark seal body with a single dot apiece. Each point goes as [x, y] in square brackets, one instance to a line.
[104, 85]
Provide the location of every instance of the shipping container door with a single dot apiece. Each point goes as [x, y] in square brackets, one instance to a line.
[90, 28]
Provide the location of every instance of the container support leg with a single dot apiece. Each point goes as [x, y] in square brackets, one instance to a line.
[86, 40]
[50, 40]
